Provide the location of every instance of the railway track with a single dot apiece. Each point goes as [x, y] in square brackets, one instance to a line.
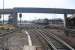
[54, 42]
[35, 35]
[47, 38]
[4, 35]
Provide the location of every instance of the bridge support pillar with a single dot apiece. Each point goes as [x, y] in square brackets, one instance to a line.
[65, 20]
[13, 19]
[65, 25]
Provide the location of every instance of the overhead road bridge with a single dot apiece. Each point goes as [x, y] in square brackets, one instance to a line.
[38, 10]
[45, 10]
[16, 10]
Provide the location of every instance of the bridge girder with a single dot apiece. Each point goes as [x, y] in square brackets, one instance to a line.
[45, 10]
[38, 10]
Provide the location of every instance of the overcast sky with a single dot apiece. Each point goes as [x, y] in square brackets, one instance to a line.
[68, 4]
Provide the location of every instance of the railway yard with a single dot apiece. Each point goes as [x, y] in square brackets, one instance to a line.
[39, 34]
[36, 37]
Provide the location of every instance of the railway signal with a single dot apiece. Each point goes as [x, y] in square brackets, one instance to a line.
[20, 16]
